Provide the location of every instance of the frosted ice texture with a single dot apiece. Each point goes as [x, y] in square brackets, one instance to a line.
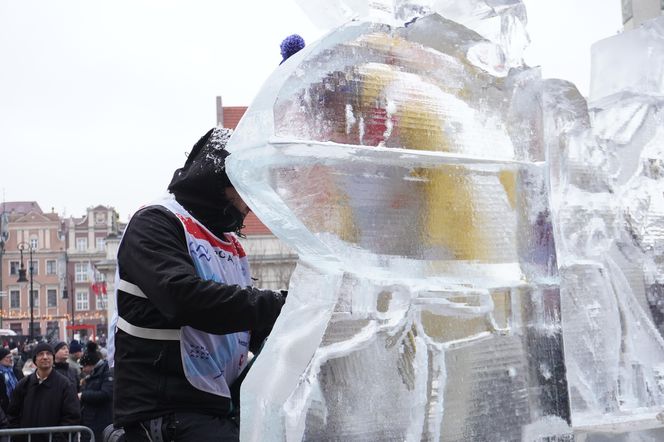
[607, 168]
[408, 172]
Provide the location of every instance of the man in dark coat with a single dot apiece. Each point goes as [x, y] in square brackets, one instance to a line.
[185, 284]
[45, 398]
[62, 366]
[96, 392]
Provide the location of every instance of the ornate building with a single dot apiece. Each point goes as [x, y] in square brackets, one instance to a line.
[41, 235]
[66, 286]
[90, 269]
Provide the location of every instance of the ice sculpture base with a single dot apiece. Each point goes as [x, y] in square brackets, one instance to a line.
[365, 359]
[644, 427]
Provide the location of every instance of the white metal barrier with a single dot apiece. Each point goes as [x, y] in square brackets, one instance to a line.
[72, 433]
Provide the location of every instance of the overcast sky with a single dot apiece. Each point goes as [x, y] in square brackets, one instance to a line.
[99, 101]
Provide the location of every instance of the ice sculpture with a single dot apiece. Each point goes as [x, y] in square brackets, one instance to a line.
[405, 164]
[607, 164]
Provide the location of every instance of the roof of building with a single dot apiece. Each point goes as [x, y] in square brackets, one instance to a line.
[253, 226]
[20, 207]
[101, 207]
[233, 115]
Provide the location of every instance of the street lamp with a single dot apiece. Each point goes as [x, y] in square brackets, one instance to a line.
[21, 278]
[4, 236]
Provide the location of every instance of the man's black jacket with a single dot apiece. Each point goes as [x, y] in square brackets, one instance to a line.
[52, 403]
[149, 378]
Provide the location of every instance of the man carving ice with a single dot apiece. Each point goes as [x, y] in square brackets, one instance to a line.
[187, 315]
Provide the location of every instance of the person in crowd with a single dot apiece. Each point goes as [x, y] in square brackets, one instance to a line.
[187, 313]
[62, 366]
[9, 377]
[96, 392]
[45, 398]
[75, 353]
[16, 355]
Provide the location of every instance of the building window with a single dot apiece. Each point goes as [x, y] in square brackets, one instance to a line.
[102, 302]
[52, 298]
[17, 327]
[81, 270]
[35, 296]
[51, 267]
[14, 299]
[34, 243]
[13, 267]
[81, 244]
[101, 244]
[82, 301]
[35, 268]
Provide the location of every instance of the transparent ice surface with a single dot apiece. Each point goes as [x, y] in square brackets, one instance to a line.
[607, 174]
[502, 22]
[406, 167]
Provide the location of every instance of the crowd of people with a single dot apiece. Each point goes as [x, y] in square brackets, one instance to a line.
[69, 385]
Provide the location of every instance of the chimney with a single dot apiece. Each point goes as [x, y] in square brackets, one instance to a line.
[220, 113]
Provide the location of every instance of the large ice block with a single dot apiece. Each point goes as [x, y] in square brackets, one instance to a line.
[630, 63]
[406, 166]
[607, 169]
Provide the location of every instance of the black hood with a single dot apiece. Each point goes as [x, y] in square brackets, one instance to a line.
[200, 184]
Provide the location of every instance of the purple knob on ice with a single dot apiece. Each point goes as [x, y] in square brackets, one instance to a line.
[291, 45]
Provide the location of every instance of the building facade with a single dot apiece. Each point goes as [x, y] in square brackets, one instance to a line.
[69, 292]
[635, 12]
[33, 232]
[90, 269]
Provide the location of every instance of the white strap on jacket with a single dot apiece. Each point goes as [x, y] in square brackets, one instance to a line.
[158, 334]
[130, 288]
